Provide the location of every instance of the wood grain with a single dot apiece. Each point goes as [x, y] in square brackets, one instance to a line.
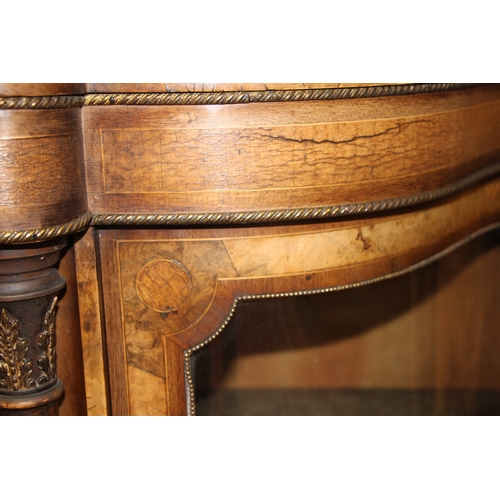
[69, 342]
[432, 329]
[41, 89]
[41, 168]
[163, 285]
[91, 324]
[117, 372]
[267, 156]
[231, 262]
[214, 87]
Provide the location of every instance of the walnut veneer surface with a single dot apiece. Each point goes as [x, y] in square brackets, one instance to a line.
[182, 201]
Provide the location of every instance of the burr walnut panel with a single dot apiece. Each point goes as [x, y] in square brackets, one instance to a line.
[227, 263]
[265, 156]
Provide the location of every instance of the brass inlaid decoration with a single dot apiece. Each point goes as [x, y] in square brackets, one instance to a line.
[41, 234]
[241, 97]
[187, 353]
[264, 216]
[234, 265]
[41, 102]
[15, 369]
[164, 285]
[47, 342]
[228, 97]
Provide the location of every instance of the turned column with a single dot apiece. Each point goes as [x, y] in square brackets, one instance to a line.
[42, 200]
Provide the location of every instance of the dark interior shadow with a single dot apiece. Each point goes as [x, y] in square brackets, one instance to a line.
[272, 325]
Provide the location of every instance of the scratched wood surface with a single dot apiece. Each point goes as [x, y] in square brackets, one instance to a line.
[226, 263]
[41, 167]
[265, 156]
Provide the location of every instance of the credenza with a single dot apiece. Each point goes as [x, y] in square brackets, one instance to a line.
[249, 249]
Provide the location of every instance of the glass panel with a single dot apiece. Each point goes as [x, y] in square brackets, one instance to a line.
[425, 343]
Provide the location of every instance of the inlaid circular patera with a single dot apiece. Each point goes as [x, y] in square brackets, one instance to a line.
[163, 285]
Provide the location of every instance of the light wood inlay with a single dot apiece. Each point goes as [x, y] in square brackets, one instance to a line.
[225, 263]
[163, 285]
[91, 324]
[266, 156]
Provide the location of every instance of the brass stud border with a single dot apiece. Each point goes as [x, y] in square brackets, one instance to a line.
[181, 219]
[191, 403]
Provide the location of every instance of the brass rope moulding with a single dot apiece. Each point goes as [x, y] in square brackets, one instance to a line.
[292, 214]
[242, 97]
[41, 102]
[228, 97]
[187, 353]
[35, 235]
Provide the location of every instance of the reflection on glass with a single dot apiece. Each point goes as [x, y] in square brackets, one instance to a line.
[425, 343]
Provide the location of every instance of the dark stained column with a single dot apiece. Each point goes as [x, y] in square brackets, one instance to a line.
[28, 303]
[42, 199]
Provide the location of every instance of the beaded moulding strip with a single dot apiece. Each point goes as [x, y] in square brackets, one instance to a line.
[190, 398]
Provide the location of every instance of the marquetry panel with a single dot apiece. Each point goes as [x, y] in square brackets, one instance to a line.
[210, 268]
[265, 156]
[423, 343]
[427, 339]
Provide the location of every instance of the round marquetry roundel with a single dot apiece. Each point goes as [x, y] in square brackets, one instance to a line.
[163, 285]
